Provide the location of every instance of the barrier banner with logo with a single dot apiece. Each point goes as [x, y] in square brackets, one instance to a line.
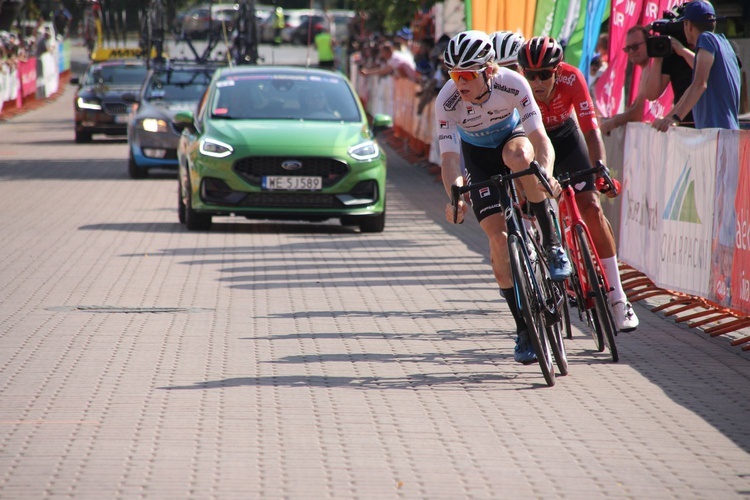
[740, 288]
[724, 218]
[642, 186]
[687, 217]
[27, 75]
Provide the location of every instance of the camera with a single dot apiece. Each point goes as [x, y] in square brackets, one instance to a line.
[660, 44]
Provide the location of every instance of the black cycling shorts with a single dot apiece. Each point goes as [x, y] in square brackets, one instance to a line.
[571, 154]
[481, 164]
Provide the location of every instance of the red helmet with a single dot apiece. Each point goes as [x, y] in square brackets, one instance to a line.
[540, 52]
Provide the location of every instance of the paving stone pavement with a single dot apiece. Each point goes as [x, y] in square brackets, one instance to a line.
[294, 360]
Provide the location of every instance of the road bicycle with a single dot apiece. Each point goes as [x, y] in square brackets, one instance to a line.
[151, 33]
[587, 287]
[245, 42]
[534, 290]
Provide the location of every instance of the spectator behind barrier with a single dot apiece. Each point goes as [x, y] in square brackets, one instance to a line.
[635, 48]
[714, 94]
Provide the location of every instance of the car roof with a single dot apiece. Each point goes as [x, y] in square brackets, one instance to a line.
[279, 70]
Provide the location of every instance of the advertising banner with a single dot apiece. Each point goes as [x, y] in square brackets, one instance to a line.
[687, 217]
[642, 205]
[740, 288]
[27, 75]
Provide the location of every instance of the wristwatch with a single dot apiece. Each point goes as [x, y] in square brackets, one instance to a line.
[676, 119]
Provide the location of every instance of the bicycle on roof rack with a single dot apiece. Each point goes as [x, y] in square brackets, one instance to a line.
[536, 295]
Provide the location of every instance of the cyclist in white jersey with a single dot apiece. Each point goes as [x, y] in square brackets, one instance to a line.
[488, 115]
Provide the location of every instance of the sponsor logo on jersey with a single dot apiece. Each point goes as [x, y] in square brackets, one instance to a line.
[503, 117]
[584, 106]
[491, 207]
[450, 104]
[443, 124]
[469, 110]
[567, 79]
[469, 120]
[528, 115]
[484, 192]
[445, 136]
[525, 101]
[497, 111]
[503, 88]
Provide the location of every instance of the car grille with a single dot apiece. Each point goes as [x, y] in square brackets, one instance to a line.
[115, 108]
[253, 169]
[291, 200]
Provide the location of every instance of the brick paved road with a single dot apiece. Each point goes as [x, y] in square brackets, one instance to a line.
[286, 360]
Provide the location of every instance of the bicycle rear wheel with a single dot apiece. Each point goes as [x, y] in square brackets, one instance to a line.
[602, 314]
[532, 311]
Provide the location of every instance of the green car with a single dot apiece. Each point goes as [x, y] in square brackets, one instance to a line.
[282, 143]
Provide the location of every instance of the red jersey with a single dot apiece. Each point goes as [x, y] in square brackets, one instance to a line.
[570, 93]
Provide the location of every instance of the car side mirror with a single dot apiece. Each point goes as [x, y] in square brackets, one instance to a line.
[184, 120]
[381, 123]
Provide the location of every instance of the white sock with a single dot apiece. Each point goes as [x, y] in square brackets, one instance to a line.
[612, 271]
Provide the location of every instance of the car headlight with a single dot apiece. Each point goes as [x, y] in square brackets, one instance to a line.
[212, 147]
[364, 151]
[88, 104]
[154, 125]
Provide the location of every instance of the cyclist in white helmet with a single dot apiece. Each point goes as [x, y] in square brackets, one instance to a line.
[507, 44]
[488, 115]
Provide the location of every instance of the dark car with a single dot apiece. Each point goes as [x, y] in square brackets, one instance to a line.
[152, 138]
[200, 22]
[307, 29]
[99, 104]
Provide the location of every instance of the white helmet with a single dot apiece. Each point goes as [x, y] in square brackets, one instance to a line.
[468, 49]
[506, 44]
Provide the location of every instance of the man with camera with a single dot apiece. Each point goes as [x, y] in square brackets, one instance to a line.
[671, 60]
[714, 94]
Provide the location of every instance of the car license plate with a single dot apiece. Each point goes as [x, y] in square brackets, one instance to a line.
[121, 118]
[289, 182]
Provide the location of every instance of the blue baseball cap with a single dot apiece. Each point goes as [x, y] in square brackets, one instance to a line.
[404, 33]
[698, 12]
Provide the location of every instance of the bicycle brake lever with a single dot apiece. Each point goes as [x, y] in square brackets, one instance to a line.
[537, 169]
[604, 172]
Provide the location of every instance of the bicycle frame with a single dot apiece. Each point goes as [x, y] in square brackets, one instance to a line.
[570, 217]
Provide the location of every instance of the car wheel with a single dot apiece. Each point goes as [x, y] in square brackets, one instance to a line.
[195, 221]
[83, 137]
[134, 170]
[372, 223]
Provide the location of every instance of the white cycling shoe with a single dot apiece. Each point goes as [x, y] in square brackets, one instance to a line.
[624, 316]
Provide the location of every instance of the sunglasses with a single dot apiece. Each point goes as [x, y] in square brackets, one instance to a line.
[542, 74]
[466, 74]
[631, 48]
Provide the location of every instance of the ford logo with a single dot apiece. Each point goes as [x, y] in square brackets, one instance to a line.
[291, 165]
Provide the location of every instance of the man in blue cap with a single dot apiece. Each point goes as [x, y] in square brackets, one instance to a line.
[714, 94]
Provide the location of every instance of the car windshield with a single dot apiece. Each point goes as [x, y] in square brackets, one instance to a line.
[178, 86]
[130, 74]
[285, 97]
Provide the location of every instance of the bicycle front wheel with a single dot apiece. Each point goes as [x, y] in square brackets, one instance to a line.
[532, 311]
[603, 322]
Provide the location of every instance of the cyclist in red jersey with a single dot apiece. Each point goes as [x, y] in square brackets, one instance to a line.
[569, 117]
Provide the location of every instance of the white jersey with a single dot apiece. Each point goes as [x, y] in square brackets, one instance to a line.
[489, 124]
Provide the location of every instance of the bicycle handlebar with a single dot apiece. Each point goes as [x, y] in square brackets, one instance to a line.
[566, 179]
[498, 180]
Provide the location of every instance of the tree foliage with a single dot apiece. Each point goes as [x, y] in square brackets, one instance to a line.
[388, 16]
